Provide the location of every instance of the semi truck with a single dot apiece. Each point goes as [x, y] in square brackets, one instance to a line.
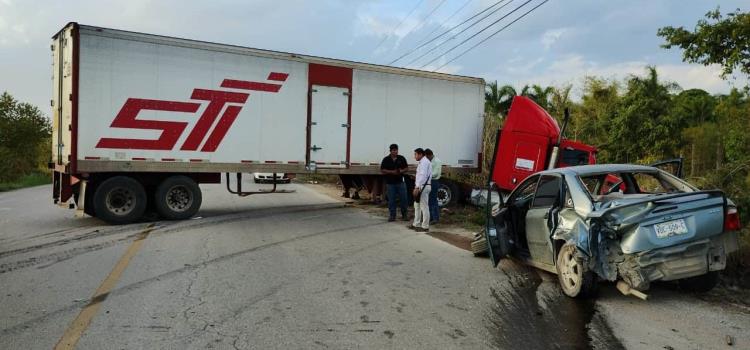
[140, 120]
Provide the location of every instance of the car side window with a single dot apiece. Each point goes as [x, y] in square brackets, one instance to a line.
[548, 192]
[525, 190]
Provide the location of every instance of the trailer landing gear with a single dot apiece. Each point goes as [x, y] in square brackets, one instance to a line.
[240, 193]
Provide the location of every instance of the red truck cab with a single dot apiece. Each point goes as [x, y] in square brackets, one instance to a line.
[527, 142]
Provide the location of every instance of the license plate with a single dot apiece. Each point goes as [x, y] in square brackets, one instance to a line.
[671, 228]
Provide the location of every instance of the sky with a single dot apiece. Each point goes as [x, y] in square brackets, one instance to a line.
[558, 44]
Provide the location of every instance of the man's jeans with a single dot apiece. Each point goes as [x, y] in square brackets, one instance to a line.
[396, 192]
[434, 209]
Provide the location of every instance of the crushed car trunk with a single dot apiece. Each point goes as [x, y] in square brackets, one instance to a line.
[659, 237]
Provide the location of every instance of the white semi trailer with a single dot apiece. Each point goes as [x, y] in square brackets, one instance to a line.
[140, 119]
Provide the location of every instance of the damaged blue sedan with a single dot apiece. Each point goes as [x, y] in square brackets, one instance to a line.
[628, 223]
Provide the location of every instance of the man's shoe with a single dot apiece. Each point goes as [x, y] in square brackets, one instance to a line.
[412, 227]
[420, 229]
[433, 222]
[356, 195]
[391, 219]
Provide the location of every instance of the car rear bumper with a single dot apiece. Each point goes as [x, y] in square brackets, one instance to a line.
[677, 262]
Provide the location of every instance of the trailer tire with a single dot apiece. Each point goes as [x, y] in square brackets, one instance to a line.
[448, 193]
[119, 200]
[177, 198]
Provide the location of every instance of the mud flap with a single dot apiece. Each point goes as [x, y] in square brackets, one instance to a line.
[498, 236]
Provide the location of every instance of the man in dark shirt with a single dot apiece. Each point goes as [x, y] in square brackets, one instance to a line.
[393, 167]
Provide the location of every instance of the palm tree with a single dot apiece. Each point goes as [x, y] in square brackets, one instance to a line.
[506, 93]
[497, 99]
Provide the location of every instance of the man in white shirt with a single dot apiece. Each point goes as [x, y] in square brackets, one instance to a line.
[437, 171]
[422, 186]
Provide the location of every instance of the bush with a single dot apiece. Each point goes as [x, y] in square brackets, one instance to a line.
[25, 137]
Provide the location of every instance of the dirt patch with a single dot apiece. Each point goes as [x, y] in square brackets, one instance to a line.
[460, 241]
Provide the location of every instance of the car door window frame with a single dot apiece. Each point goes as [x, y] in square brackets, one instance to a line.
[559, 191]
[533, 179]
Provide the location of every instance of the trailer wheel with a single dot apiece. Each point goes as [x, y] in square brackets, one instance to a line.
[119, 200]
[448, 194]
[177, 198]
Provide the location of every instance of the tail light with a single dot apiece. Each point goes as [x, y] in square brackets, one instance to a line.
[732, 220]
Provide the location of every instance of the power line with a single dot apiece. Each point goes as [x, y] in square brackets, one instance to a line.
[398, 25]
[446, 32]
[493, 34]
[459, 33]
[424, 18]
[477, 33]
[445, 21]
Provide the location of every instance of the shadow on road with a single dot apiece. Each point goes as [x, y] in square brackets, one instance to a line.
[530, 312]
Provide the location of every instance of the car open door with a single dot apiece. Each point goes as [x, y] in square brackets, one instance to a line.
[672, 166]
[497, 226]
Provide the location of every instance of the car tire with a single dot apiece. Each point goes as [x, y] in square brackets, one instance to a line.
[576, 281]
[119, 200]
[479, 247]
[177, 198]
[448, 194]
[700, 284]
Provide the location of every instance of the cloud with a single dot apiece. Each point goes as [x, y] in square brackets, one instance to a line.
[551, 36]
[571, 69]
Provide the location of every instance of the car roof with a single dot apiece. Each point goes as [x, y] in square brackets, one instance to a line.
[583, 170]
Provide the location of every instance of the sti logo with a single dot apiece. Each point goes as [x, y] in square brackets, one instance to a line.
[172, 130]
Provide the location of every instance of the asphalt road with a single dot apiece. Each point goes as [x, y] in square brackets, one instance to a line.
[304, 271]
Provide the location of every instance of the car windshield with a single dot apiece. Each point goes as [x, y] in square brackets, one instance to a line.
[629, 184]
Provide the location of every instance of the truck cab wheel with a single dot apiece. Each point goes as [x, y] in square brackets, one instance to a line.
[177, 198]
[119, 200]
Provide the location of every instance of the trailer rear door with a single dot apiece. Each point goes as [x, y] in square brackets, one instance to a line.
[330, 109]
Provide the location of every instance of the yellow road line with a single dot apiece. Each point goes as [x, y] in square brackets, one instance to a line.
[81, 323]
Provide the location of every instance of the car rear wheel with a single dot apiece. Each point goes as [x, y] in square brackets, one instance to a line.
[700, 284]
[177, 198]
[574, 276]
[119, 200]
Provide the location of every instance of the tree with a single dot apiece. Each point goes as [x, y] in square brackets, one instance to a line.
[24, 138]
[715, 40]
[591, 120]
[559, 100]
[643, 128]
[694, 109]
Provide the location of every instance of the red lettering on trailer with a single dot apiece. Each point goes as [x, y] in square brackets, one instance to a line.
[217, 101]
[172, 130]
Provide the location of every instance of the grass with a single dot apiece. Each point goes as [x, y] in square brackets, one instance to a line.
[30, 180]
[466, 216]
[738, 263]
